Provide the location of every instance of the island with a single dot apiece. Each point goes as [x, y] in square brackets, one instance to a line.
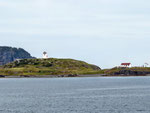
[50, 67]
[17, 62]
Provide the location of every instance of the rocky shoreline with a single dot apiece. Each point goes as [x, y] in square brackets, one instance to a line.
[67, 76]
[50, 76]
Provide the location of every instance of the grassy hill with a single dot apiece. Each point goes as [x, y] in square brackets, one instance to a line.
[51, 66]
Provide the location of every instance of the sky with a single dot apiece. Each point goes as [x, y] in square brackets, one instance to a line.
[101, 32]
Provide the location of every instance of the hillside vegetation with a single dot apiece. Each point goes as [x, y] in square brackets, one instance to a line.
[51, 66]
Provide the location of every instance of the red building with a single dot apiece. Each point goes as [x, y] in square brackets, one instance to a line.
[125, 64]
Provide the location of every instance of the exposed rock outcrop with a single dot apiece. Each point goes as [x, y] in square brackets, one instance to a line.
[131, 72]
[9, 54]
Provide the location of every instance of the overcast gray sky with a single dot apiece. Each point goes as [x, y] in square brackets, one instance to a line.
[101, 32]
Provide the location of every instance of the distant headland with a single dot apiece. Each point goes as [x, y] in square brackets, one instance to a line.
[17, 62]
[10, 54]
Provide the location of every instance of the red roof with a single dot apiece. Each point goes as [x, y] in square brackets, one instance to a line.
[126, 64]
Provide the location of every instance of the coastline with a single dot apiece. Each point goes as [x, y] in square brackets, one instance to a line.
[52, 76]
[57, 76]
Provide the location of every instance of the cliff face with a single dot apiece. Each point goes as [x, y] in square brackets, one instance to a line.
[9, 54]
[124, 71]
[131, 72]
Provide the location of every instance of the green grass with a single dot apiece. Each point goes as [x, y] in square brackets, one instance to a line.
[51, 66]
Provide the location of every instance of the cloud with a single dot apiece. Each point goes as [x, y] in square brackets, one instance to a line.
[98, 27]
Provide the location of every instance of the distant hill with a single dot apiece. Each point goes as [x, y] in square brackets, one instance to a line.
[51, 66]
[10, 54]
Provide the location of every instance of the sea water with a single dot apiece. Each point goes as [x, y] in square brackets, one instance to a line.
[75, 95]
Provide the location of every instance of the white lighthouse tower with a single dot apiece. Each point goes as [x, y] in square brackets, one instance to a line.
[45, 55]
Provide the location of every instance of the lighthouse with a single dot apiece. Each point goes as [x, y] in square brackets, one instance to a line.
[45, 55]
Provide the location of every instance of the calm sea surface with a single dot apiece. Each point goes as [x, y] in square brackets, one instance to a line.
[75, 95]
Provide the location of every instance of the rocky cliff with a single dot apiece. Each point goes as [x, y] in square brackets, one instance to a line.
[124, 71]
[9, 54]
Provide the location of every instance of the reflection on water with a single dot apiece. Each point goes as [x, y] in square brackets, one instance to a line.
[75, 95]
